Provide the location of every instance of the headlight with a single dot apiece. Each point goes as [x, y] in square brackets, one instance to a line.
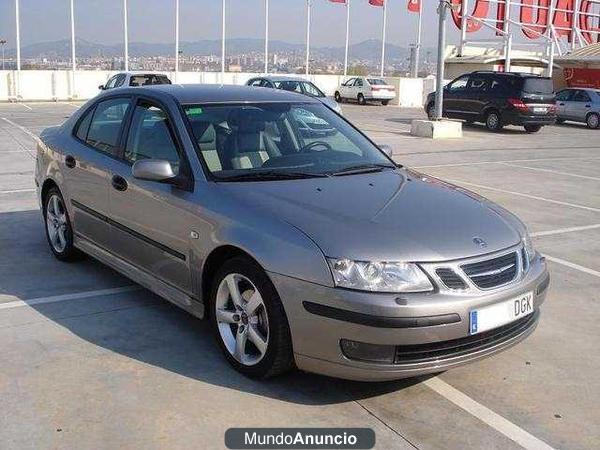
[528, 245]
[379, 276]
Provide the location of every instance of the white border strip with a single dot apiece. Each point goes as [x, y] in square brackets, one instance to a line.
[565, 230]
[520, 194]
[16, 191]
[477, 163]
[486, 415]
[557, 172]
[65, 297]
[571, 265]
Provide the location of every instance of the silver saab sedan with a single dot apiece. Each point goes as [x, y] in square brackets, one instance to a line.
[317, 252]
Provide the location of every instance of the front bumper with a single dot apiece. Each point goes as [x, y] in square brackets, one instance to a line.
[403, 320]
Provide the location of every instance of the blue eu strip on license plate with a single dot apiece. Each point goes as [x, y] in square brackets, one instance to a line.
[473, 322]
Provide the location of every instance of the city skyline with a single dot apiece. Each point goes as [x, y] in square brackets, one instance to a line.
[152, 21]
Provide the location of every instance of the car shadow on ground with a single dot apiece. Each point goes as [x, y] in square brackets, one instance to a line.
[146, 328]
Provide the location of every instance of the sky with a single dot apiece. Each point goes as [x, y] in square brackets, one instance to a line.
[154, 21]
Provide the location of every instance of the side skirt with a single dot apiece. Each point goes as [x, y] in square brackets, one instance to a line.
[175, 296]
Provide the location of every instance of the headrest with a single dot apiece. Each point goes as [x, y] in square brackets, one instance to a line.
[248, 120]
[204, 131]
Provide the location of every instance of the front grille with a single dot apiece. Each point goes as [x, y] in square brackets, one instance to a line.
[406, 354]
[493, 272]
[450, 279]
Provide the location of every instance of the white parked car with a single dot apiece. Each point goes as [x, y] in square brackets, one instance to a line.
[364, 89]
[127, 79]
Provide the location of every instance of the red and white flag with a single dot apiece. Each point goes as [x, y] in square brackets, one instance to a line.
[414, 6]
[376, 2]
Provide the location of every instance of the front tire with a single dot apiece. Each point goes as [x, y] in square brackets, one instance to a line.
[431, 111]
[493, 121]
[249, 321]
[361, 99]
[59, 231]
[338, 97]
[593, 121]
[532, 128]
[385, 102]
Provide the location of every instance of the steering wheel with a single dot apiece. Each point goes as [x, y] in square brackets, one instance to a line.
[309, 147]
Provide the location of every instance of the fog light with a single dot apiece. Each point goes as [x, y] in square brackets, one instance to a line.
[368, 352]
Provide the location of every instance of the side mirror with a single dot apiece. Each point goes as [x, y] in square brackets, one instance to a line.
[153, 170]
[101, 87]
[387, 149]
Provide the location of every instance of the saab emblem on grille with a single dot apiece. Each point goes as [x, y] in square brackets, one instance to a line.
[479, 242]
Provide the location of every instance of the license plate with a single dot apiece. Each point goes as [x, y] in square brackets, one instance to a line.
[540, 110]
[499, 314]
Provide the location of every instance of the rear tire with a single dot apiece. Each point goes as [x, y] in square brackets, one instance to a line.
[338, 97]
[385, 102]
[493, 121]
[560, 121]
[593, 121]
[431, 111]
[237, 324]
[361, 99]
[59, 231]
[532, 128]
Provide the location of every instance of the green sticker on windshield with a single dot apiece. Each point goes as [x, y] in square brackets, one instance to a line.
[196, 111]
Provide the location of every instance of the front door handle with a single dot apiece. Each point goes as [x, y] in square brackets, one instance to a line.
[119, 183]
[588, 106]
[70, 161]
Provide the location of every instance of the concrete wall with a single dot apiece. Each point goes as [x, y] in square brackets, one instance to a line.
[55, 85]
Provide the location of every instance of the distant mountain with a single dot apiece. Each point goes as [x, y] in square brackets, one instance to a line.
[366, 50]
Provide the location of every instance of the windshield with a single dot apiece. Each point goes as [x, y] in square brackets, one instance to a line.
[312, 90]
[538, 86]
[280, 139]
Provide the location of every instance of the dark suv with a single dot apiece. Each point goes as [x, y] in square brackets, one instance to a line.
[498, 99]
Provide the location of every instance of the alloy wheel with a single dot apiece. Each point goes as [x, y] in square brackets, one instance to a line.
[242, 319]
[56, 223]
[593, 121]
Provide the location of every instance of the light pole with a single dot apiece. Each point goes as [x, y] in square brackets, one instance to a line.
[2, 43]
[443, 7]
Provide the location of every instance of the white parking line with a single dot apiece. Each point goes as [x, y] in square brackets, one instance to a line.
[486, 415]
[565, 230]
[571, 265]
[64, 297]
[15, 191]
[477, 163]
[26, 106]
[558, 172]
[520, 194]
[22, 128]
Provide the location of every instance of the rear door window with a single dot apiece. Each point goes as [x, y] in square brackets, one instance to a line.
[105, 127]
[581, 96]
[84, 125]
[538, 86]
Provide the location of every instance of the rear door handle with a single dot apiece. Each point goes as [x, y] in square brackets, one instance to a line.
[119, 183]
[70, 161]
[561, 104]
[588, 106]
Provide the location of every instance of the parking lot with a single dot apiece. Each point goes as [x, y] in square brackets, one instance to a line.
[90, 360]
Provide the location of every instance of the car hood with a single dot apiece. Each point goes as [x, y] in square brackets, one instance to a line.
[386, 216]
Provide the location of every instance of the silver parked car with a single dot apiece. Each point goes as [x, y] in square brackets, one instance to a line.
[579, 105]
[295, 84]
[125, 79]
[311, 251]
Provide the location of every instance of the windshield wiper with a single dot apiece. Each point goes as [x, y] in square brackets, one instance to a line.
[272, 175]
[362, 168]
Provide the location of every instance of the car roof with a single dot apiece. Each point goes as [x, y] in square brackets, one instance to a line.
[217, 93]
[281, 78]
[597, 91]
[509, 74]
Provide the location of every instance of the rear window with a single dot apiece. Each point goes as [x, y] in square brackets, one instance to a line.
[149, 79]
[376, 81]
[538, 86]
